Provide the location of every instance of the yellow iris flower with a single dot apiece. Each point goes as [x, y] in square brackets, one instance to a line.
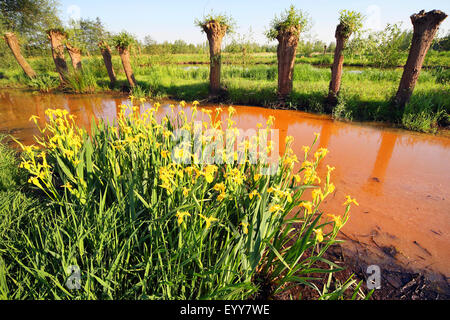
[308, 206]
[319, 235]
[244, 227]
[180, 215]
[254, 193]
[349, 201]
[337, 220]
[208, 220]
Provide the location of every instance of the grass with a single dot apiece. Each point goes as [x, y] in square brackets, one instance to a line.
[9, 172]
[118, 206]
[421, 113]
[365, 94]
[82, 81]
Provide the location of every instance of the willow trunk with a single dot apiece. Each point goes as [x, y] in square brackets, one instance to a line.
[13, 44]
[215, 33]
[338, 64]
[425, 26]
[106, 54]
[286, 50]
[75, 56]
[125, 57]
[57, 39]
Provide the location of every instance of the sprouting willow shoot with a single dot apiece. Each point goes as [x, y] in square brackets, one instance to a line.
[221, 18]
[351, 21]
[122, 40]
[289, 18]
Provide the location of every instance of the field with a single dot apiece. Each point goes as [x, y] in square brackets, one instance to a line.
[252, 80]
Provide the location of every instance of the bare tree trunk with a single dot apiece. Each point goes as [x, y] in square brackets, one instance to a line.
[125, 56]
[13, 44]
[106, 53]
[425, 27]
[75, 56]
[215, 33]
[57, 39]
[338, 64]
[286, 50]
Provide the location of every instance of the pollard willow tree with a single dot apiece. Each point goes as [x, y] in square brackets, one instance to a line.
[286, 29]
[74, 47]
[122, 42]
[106, 54]
[75, 56]
[57, 39]
[425, 25]
[349, 22]
[13, 44]
[215, 27]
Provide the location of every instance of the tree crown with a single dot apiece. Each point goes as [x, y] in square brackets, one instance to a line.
[351, 21]
[289, 18]
[222, 19]
[60, 30]
[122, 40]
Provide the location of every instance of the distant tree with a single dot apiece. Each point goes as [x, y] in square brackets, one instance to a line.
[425, 25]
[349, 22]
[331, 46]
[149, 45]
[179, 46]
[91, 32]
[29, 20]
[390, 45]
[318, 46]
[442, 43]
[215, 27]
[286, 29]
[244, 44]
[148, 41]
[6, 58]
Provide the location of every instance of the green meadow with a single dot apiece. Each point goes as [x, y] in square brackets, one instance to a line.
[252, 80]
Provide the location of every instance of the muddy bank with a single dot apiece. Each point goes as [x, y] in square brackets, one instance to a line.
[398, 282]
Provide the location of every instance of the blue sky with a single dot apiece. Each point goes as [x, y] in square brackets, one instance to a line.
[174, 19]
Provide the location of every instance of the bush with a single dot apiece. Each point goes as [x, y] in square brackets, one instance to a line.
[140, 221]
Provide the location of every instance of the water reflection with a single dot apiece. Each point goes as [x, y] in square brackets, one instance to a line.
[376, 179]
[325, 135]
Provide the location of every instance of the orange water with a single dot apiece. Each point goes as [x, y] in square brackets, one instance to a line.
[400, 179]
